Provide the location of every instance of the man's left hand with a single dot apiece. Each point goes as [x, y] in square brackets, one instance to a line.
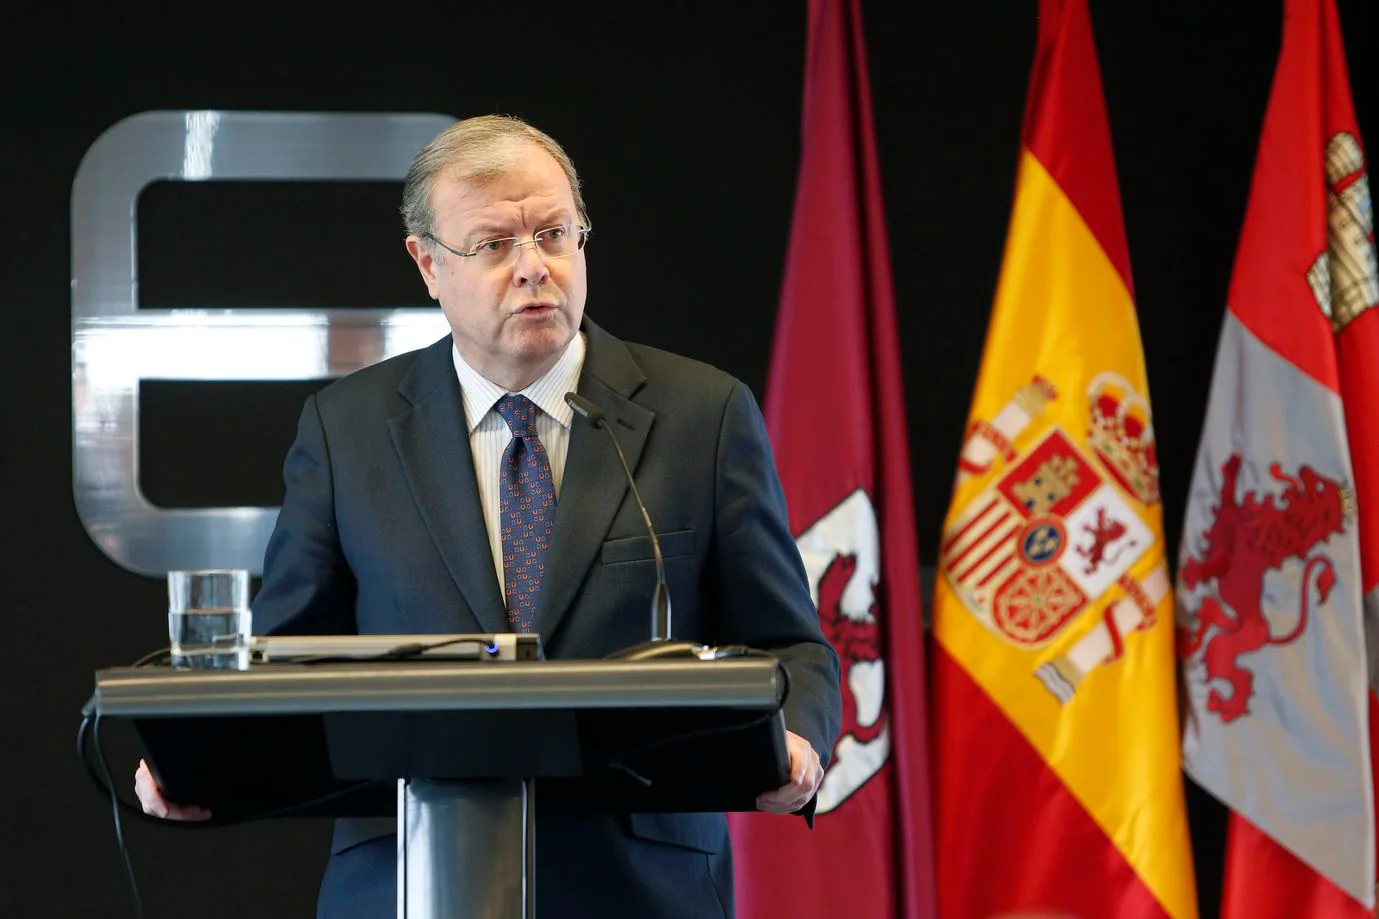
[806, 774]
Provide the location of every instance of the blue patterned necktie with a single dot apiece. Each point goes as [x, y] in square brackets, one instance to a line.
[526, 510]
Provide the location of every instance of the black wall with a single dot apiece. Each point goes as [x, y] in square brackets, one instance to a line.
[685, 130]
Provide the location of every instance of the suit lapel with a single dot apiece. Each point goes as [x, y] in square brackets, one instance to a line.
[593, 486]
[432, 442]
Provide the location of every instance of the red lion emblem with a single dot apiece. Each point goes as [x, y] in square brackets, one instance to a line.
[1104, 532]
[841, 552]
[854, 641]
[1248, 538]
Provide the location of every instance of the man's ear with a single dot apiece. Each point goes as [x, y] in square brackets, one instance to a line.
[420, 251]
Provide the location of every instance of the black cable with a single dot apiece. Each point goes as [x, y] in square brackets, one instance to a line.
[115, 811]
[88, 742]
[153, 656]
[105, 785]
[89, 730]
[399, 653]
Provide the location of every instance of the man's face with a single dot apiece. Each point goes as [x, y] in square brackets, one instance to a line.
[510, 323]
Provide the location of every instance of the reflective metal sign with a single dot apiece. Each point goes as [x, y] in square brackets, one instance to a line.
[115, 344]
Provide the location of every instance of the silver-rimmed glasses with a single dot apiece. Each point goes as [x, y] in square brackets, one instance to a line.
[552, 242]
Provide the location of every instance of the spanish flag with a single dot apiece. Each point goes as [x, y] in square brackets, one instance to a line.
[1058, 782]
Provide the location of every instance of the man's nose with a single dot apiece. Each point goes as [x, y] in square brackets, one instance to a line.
[530, 265]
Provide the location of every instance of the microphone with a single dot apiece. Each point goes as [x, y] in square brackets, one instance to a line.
[660, 644]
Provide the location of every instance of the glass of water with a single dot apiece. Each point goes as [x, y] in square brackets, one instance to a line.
[209, 621]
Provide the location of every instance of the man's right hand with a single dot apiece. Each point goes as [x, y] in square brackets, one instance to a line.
[154, 803]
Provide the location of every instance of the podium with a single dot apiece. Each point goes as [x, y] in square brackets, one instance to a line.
[456, 752]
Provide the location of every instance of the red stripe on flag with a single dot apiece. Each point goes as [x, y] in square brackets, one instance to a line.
[1293, 890]
[1009, 560]
[996, 546]
[976, 518]
[1066, 127]
[991, 780]
[1286, 220]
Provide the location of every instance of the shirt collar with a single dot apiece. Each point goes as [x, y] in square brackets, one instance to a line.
[548, 392]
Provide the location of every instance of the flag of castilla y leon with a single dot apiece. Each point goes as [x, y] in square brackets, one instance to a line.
[835, 412]
[1279, 560]
[1058, 783]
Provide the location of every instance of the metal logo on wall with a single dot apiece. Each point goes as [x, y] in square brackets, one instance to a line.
[115, 344]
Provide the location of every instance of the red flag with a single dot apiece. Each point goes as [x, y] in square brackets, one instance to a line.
[1280, 553]
[836, 417]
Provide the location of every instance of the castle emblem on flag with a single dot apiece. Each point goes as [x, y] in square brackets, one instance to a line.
[1345, 278]
[1250, 536]
[1057, 529]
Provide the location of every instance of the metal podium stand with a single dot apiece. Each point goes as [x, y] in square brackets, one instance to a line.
[468, 744]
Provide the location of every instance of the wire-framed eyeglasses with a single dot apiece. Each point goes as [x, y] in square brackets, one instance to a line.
[552, 242]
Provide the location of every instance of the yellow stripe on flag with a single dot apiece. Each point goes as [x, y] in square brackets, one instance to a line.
[1052, 592]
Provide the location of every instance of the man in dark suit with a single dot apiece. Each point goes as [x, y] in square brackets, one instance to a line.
[450, 490]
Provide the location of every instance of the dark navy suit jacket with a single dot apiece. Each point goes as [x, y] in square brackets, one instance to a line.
[381, 531]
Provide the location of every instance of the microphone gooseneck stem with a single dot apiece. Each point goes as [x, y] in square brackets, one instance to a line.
[660, 600]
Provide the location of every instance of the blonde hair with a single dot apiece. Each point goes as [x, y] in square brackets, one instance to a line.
[476, 151]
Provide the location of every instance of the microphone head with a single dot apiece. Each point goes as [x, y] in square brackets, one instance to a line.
[584, 408]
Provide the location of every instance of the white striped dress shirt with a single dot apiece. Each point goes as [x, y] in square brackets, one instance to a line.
[489, 434]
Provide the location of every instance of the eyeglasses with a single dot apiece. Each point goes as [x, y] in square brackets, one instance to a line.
[551, 242]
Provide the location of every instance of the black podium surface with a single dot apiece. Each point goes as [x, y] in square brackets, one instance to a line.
[332, 739]
[462, 753]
